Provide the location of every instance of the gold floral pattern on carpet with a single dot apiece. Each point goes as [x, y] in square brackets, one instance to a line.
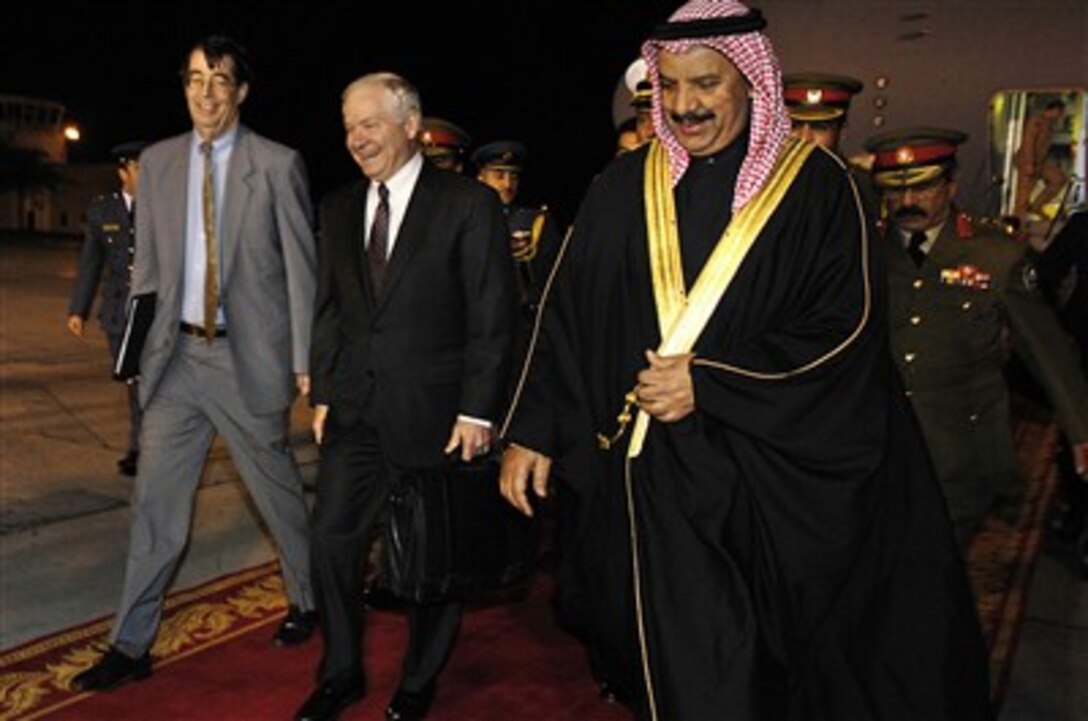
[36, 678]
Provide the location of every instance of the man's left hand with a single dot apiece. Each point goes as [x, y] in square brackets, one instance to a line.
[665, 390]
[473, 438]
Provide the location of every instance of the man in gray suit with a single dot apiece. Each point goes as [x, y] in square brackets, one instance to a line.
[225, 244]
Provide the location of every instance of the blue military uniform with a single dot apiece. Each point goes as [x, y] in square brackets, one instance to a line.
[955, 318]
[534, 238]
[109, 245]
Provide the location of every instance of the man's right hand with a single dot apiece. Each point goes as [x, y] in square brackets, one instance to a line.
[519, 465]
[318, 424]
[75, 325]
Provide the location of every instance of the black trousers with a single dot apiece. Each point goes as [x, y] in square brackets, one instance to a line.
[353, 484]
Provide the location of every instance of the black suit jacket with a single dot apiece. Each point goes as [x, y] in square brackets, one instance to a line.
[437, 342]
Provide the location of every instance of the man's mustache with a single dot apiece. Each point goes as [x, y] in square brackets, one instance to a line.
[909, 211]
[694, 116]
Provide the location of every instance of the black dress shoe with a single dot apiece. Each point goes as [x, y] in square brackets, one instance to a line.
[328, 700]
[296, 628]
[127, 465]
[112, 670]
[410, 705]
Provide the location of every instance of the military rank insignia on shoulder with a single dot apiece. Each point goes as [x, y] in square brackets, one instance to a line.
[111, 227]
[966, 276]
[965, 227]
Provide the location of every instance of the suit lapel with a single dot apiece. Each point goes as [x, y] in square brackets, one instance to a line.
[412, 233]
[171, 246]
[236, 199]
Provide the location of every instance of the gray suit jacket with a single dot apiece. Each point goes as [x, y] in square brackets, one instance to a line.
[267, 260]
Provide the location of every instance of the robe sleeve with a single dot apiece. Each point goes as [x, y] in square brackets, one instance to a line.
[796, 384]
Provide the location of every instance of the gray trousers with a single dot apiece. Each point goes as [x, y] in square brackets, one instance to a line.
[198, 396]
[135, 413]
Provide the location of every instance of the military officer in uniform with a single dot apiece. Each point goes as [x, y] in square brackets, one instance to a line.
[445, 144]
[963, 296]
[638, 130]
[534, 239]
[108, 243]
[818, 105]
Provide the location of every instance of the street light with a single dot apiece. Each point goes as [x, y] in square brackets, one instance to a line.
[71, 132]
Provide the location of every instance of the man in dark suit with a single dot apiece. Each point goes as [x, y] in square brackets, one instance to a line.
[108, 243]
[225, 244]
[411, 346]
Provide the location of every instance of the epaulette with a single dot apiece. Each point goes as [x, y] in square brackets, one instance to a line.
[1000, 225]
[965, 228]
[538, 226]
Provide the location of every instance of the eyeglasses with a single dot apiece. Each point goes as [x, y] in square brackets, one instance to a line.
[196, 80]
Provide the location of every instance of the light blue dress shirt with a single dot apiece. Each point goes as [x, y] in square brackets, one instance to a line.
[192, 299]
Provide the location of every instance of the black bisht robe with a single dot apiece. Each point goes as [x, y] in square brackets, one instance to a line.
[794, 555]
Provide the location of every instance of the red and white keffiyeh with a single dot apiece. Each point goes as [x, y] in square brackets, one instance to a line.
[753, 56]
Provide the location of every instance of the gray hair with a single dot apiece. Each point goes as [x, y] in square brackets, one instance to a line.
[405, 96]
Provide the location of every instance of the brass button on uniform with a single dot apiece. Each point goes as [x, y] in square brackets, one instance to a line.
[909, 357]
[915, 319]
[917, 283]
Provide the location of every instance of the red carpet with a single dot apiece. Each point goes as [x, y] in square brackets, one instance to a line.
[1001, 559]
[510, 662]
[214, 659]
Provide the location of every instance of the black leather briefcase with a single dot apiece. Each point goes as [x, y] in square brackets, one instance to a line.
[450, 532]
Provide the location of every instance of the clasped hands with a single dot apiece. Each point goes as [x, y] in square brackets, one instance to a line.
[664, 390]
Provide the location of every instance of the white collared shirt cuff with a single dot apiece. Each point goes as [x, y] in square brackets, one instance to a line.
[473, 420]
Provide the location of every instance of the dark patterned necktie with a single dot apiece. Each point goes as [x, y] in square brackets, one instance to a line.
[378, 247]
[914, 249]
[211, 246]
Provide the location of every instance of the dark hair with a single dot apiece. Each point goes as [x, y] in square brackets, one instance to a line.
[217, 47]
[1055, 104]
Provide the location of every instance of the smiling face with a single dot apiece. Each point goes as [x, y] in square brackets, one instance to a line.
[704, 98]
[379, 133]
[213, 94]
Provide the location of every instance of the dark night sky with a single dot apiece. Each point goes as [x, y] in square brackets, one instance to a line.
[542, 72]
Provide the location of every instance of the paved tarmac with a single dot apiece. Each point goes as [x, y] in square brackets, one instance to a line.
[64, 508]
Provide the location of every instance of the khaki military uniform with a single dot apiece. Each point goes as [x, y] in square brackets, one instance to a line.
[954, 322]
